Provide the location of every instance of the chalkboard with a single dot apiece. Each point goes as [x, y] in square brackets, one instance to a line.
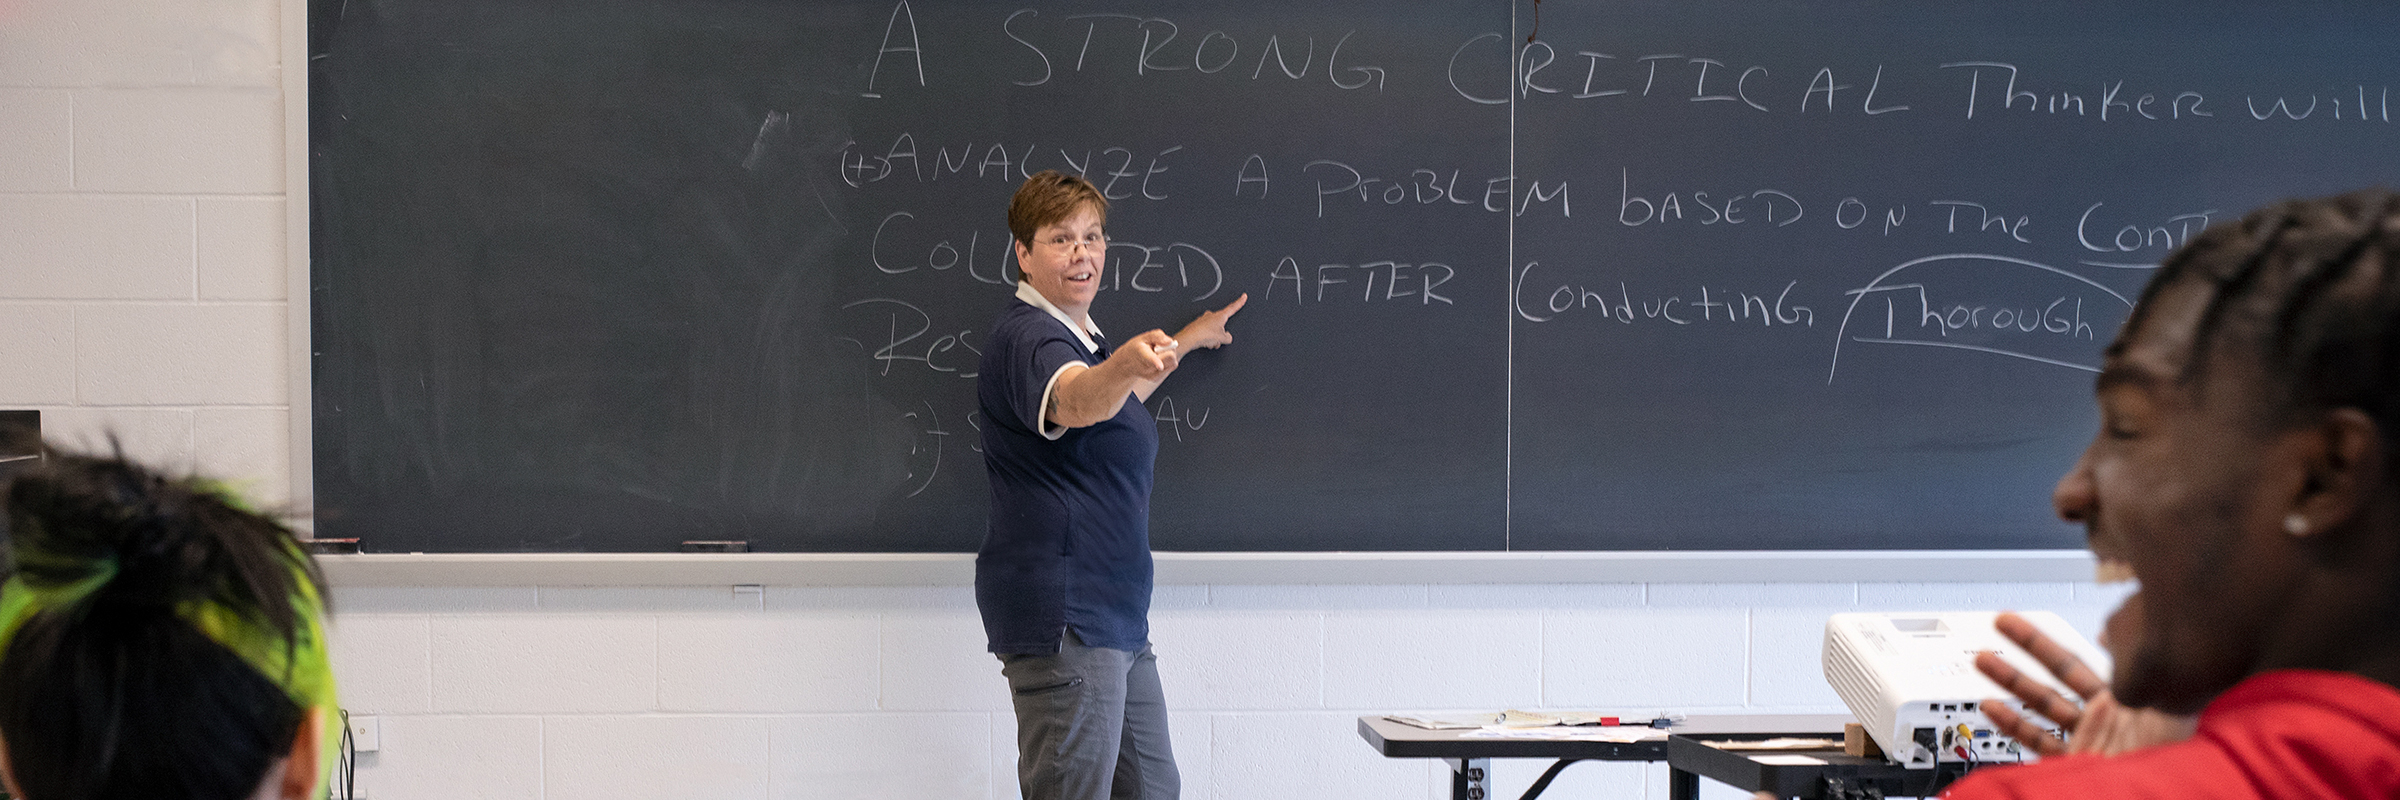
[1701, 274]
[20, 442]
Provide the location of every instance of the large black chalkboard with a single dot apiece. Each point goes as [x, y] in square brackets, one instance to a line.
[615, 274]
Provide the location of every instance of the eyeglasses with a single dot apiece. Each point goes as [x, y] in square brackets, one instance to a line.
[1094, 242]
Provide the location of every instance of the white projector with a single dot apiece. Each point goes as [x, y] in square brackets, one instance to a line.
[1910, 679]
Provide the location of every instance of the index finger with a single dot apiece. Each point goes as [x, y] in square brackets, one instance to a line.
[1236, 305]
[2053, 656]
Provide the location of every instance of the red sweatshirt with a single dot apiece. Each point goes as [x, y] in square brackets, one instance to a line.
[2285, 734]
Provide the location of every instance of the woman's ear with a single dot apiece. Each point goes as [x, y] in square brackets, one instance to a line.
[300, 768]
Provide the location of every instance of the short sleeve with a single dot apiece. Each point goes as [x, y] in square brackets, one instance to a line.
[1031, 359]
[1049, 387]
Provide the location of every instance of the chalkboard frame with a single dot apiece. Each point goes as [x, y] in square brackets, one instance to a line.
[1180, 569]
[1818, 566]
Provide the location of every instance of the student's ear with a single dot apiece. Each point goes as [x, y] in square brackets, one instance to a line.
[2345, 468]
[300, 772]
[8, 780]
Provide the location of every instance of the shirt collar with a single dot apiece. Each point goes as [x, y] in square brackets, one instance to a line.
[1033, 297]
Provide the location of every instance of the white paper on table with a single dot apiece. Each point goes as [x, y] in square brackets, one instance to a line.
[1788, 760]
[1562, 733]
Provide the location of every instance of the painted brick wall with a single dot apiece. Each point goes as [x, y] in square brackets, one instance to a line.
[142, 256]
[566, 692]
[142, 287]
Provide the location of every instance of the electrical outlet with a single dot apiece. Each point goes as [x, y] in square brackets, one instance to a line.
[366, 733]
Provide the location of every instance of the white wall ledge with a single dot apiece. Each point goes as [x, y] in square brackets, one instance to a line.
[958, 569]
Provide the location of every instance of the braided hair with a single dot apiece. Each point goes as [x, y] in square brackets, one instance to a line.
[2307, 291]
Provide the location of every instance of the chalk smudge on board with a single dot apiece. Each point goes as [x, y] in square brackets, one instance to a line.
[777, 122]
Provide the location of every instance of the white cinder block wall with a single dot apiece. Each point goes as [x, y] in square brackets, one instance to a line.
[142, 291]
[142, 255]
[706, 692]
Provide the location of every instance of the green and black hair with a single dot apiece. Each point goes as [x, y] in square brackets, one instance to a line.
[160, 641]
[2308, 291]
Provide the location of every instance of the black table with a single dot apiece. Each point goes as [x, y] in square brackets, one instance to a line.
[1835, 775]
[1470, 757]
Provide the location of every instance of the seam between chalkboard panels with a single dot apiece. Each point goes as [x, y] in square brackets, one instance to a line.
[1508, 411]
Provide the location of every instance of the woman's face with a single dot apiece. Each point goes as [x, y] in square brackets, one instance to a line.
[1065, 260]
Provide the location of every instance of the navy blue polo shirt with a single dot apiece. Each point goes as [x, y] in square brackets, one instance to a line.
[1068, 545]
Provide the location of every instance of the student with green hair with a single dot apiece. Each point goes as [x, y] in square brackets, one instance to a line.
[157, 641]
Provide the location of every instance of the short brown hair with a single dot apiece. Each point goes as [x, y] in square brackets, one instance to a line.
[1048, 198]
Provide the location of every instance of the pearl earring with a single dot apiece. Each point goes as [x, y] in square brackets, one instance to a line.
[2295, 524]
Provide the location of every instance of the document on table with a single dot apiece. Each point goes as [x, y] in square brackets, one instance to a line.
[1782, 743]
[1788, 760]
[1554, 726]
[1466, 723]
[1576, 733]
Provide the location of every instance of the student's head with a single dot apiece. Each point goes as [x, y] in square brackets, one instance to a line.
[156, 641]
[1058, 222]
[2244, 467]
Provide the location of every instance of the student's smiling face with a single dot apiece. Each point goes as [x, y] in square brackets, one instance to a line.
[2185, 486]
[1065, 260]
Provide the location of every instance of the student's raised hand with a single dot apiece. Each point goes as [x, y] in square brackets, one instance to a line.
[2099, 725]
[1209, 329]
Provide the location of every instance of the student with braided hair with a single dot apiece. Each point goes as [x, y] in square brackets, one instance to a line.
[157, 641]
[2247, 474]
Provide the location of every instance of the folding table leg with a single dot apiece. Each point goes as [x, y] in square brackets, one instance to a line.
[1470, 778]
[1683, 785]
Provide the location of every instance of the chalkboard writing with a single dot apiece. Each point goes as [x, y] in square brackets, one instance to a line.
[1666, 275]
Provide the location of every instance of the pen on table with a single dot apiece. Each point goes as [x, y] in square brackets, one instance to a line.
[1660, 722]
[1537, 719]
[1621, 722]
[1503, 718]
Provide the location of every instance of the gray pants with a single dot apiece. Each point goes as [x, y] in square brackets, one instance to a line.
[1091, 724]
